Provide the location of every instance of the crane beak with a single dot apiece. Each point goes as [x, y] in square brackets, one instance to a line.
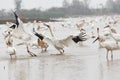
[95, 40]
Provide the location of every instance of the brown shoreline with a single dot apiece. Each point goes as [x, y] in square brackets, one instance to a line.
[29, 20]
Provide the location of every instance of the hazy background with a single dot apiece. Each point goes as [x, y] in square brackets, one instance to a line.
[45, 4]
[45, 9]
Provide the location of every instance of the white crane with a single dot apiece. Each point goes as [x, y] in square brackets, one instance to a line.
[18, 29]
[114, 34]
[108, 44]
[19, 32]
[58, 44]
[102, 37]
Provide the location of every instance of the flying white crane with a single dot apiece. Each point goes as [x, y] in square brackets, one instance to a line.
[60, 44]
[19, 32]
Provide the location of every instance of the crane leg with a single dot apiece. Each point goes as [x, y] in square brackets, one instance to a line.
[10, 56]
[107, 54]
[111, 55]
[29, 52]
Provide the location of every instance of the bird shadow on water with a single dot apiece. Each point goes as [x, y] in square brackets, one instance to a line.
[39, 56]
[17, 58]
[13, 60]
[61, 56]
[112, 62]
[109, 62]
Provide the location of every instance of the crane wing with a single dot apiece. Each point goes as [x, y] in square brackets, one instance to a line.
[19, 32]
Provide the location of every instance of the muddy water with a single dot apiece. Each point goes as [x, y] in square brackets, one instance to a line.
[82, 64]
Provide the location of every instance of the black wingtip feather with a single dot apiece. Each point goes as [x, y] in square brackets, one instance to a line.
[40, 36]
[47, 25]
[13, 26]
[16, 18]
[76, 39]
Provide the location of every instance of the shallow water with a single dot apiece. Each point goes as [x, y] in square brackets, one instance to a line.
[78, 63]
[85, 65]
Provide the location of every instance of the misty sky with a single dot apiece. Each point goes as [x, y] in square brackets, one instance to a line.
[43, 4]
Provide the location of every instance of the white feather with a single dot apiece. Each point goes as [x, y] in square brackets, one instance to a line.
[20, 32]
[12, 50]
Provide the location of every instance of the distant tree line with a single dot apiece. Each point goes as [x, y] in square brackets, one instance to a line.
[76, 8]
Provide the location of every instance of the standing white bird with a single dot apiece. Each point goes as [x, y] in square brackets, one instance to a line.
[114, 34]
[102, 36]
[108, 44]
[9, 42]
[111, 32]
